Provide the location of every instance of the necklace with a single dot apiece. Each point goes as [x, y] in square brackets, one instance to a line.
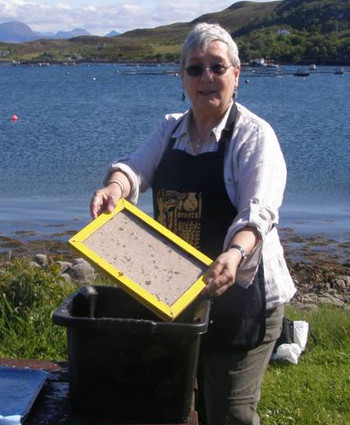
[197, 144]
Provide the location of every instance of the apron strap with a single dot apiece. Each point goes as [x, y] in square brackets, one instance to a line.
[229, 127]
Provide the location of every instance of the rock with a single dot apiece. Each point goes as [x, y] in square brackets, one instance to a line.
[81, 270]
[331, 301]
[310, 299]
[67, 277]
[342, 282]
[64, 265]
[41, 259]
[323, 286]
[79, 260]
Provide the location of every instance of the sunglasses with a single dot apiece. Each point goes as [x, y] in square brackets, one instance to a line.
[216, 69]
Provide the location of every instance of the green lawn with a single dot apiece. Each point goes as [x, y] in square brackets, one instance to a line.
[316, 391]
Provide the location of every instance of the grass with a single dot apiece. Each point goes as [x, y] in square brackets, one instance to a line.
[316, 391]
[28, 297]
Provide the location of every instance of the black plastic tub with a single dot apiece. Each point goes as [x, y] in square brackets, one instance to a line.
[126, 363]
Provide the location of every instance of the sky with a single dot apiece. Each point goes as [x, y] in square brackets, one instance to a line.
[101, 16]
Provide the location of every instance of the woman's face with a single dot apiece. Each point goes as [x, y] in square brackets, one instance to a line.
[210, 92]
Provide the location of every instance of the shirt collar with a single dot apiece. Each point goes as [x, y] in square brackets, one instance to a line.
[183, 129]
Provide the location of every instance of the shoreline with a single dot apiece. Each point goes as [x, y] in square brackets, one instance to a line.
[315, 238]
[308, 233]
[298, 246]
[152, 62]
[320, 266]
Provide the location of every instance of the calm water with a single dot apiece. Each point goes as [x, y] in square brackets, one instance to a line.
[74, 120]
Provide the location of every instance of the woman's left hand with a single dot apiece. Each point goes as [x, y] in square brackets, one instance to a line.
[222, 273]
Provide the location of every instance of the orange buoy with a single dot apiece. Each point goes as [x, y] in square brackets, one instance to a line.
[14, 117]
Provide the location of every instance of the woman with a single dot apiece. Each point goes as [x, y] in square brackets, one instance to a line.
[218, 175]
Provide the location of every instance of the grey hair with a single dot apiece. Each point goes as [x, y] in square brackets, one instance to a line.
[203, 34]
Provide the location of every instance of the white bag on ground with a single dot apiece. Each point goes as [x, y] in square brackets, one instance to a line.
[291, 352]
[301, 332]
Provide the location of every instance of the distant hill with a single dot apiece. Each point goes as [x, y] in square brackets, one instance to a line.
[70, 34]
[289, 31]
[313, 16]
[18, 32]
[112, 34]
[323, 15]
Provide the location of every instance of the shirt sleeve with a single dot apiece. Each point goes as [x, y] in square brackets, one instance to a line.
[258, 174]
[141, 165]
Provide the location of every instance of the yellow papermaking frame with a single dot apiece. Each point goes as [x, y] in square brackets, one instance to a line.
[163, 310]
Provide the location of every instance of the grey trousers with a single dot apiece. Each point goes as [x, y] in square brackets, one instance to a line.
[232, 381]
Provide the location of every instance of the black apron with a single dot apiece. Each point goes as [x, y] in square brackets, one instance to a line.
[190, 199]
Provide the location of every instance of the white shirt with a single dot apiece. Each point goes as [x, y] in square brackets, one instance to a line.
[255, 177]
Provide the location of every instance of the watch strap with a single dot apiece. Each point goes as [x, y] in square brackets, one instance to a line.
[240, 249]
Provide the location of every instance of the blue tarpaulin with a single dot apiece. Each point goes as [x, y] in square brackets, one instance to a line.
[19, 388]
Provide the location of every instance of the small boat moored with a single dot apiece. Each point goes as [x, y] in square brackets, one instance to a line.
[301, 73]
[339, 71]
[312, 67]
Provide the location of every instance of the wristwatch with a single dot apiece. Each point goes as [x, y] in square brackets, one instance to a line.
[240, 249]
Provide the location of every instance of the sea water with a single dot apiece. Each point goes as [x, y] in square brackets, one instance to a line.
[74, 120]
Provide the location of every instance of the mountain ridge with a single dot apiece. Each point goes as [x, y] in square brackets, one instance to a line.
[19, 32]
[288, 31]
[14, 32]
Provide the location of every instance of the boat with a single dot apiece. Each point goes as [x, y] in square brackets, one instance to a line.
[312, 67]
[272, 65]
[176, 73]
[339, 71]
[258, 63]
[301, 73]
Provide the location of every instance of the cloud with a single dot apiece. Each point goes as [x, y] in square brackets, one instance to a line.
[122, 16]
[63, 6]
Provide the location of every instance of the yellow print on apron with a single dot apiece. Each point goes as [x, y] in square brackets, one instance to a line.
[181, 213]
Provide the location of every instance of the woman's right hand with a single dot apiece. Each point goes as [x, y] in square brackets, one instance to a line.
[105, 200]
